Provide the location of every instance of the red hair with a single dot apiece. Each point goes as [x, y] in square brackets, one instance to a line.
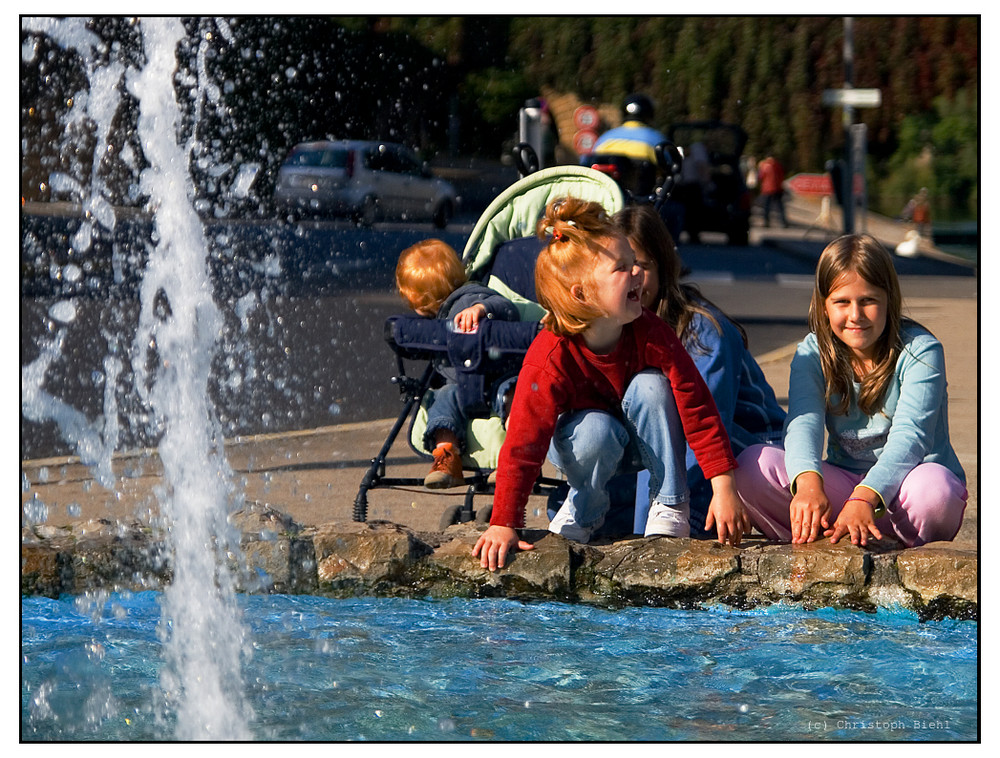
[427, 273]
[576, 230]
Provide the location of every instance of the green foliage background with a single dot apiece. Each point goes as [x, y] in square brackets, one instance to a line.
[455, 84]
[766, 73]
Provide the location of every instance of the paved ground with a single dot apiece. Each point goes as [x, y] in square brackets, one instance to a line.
[314, 474]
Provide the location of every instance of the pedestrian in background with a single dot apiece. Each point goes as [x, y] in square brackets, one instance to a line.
[771, 179]
[918, 211]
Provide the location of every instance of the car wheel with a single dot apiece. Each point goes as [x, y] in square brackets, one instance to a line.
[368, 211]
[443, 214]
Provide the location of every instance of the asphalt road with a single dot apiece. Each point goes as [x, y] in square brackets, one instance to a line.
[304, 307]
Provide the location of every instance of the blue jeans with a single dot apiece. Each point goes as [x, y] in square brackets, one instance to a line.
[446, 413]
[590, 447]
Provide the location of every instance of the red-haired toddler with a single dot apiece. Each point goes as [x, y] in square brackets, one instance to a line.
[431, 279]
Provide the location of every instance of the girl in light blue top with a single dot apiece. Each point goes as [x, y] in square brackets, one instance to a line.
[875, 382]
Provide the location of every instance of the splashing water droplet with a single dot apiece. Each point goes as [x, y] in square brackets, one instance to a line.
[63, 311]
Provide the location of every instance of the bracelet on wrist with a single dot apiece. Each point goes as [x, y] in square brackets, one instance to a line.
[861, 500]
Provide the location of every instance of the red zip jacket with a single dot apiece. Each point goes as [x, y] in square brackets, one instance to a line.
[560, 374]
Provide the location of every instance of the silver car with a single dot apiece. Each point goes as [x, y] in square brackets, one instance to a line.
[365, 180]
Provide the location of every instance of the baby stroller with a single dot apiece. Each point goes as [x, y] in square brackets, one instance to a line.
[500, 253]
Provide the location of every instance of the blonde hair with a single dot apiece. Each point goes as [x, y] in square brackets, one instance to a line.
[427, 273]
[574, 229]
[863, 255]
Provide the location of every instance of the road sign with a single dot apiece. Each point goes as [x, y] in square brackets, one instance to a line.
[853, 98]
[819, 184]
[586, 117]
[811, 184]
[583, 141]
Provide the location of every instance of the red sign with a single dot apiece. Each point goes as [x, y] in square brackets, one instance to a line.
[586, 118]
[583, 141]
[811, 184]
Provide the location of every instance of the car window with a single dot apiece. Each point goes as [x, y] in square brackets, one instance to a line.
[378, 159]
[305, 158]
[395, 159]
[408, 162]
[319, 158]
[334, 159]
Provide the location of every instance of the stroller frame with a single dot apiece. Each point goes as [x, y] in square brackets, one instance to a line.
[412, 390]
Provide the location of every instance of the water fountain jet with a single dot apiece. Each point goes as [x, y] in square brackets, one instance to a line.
[172, 352]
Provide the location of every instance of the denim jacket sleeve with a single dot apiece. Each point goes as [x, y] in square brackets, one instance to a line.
[719, 365]
[738, 396]
[806, 420]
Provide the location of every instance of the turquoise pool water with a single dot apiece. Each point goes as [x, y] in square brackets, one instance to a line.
[470, 670]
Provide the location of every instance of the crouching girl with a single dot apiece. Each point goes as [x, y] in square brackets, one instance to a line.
[875, 383]
[605, 388]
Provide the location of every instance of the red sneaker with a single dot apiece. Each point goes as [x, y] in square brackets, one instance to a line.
[447, 469]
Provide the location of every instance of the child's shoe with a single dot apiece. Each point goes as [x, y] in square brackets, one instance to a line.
[447, 469]
[563, 523]
[668, 520]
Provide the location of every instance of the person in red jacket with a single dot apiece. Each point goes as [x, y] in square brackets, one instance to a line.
[605, 388]
[771, 177]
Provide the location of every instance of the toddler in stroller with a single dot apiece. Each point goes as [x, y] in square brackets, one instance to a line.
[433, 282]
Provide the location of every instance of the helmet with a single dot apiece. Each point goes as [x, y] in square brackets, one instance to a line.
[637, 107]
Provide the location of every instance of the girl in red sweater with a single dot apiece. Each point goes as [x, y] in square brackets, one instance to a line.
[605, 388]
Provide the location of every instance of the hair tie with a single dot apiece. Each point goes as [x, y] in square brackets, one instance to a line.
[557, 234]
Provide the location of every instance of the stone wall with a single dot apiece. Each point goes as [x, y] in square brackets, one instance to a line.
[385, 559]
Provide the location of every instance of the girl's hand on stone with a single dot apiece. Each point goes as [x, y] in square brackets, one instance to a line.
[810, 509]
[726, 512]
[857, 519]
[495, 543]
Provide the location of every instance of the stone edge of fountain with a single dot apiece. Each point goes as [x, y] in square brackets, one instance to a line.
[383, 559]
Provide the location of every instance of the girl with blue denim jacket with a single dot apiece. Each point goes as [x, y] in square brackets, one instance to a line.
[718, 346]
[875, 383]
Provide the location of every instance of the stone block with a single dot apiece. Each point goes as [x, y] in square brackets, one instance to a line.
[647, 570]
[814, 570]
[275, 557]
[368, 555]
[939, 570]
[46, 565]
[118, 555]
[544, 571]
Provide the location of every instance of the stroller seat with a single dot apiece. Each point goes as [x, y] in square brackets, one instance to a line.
[501, 253]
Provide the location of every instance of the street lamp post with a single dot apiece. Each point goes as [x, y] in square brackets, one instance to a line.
[848, 121]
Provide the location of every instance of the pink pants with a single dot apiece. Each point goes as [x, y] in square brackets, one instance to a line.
[929, 507]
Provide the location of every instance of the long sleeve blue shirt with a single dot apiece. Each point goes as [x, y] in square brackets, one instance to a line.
[911, 427]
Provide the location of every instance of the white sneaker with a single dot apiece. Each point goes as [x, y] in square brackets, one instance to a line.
[668, 520]
[564, 524]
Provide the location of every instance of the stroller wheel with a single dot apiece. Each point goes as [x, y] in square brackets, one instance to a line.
[452, 515]
[484, 514]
